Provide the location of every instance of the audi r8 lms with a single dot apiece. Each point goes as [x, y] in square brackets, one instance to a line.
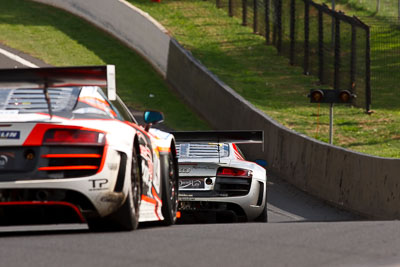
[216, 183]
[71, 151]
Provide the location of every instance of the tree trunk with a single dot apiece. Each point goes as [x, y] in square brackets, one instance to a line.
[378, 5]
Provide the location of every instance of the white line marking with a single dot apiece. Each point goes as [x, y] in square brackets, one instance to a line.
[284, 213]
[18, 59]
[146, 15]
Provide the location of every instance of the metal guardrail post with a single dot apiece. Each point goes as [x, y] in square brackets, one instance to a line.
[279, 24]
[292, 30]
[368, 71]
[366, 28]
[336, 81]
[267, 21]
[331, 124]
[244, 12]
[398, 11]
[320, 46]
[306, 37]
[255, 16]
[353, 58]
[275, 22]
[333, 24]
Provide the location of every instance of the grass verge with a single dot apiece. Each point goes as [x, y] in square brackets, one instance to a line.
[61, 39]
[243, 61]
[388, 10]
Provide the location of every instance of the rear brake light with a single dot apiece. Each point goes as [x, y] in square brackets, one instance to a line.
[229, 172]
[70, 168]
[73, 137]
[71, 156]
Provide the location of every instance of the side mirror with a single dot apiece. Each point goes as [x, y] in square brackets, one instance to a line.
[152, 117]
[262, 163]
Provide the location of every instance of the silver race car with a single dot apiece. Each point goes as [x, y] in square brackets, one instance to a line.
[70, 151]
[216, 183]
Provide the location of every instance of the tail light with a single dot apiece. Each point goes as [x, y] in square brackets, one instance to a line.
[233, 172]
[232, 182]
[72, 152]
[73, 137]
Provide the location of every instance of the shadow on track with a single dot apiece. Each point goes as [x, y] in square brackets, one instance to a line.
[42, 230]
[286, 204]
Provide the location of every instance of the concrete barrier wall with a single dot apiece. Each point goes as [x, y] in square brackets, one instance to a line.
[365, 184]
[129, 24]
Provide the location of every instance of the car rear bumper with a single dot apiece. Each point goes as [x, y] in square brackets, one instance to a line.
[251, 204]
[96, 195]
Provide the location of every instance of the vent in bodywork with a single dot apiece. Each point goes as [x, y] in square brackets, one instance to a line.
[194, 150]
[69, 162]
[33, 100]
[20, 206]
[232, 186]
[49, 162]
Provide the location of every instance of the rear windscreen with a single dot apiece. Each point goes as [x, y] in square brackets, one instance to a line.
[202, 150]
[25, 100]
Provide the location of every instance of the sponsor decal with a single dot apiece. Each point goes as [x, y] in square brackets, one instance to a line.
[191, 183]
[9, 134]
[185, 170]
[98, 184]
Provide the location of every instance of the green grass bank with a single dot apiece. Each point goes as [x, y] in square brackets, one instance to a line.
[61, 39]
[243, 61]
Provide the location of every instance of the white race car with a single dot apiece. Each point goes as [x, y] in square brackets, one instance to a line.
[216, 183]
[70, 154]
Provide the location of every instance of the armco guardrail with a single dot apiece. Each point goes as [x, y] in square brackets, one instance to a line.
[365, 184]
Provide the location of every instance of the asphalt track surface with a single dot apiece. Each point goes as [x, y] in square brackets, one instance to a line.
[302, 231]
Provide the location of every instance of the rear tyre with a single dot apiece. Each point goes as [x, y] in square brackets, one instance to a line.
[263, 217]
[126, 218]
[169, 186]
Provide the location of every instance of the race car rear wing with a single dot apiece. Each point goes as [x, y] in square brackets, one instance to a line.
[238, 137]
[44, 78]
